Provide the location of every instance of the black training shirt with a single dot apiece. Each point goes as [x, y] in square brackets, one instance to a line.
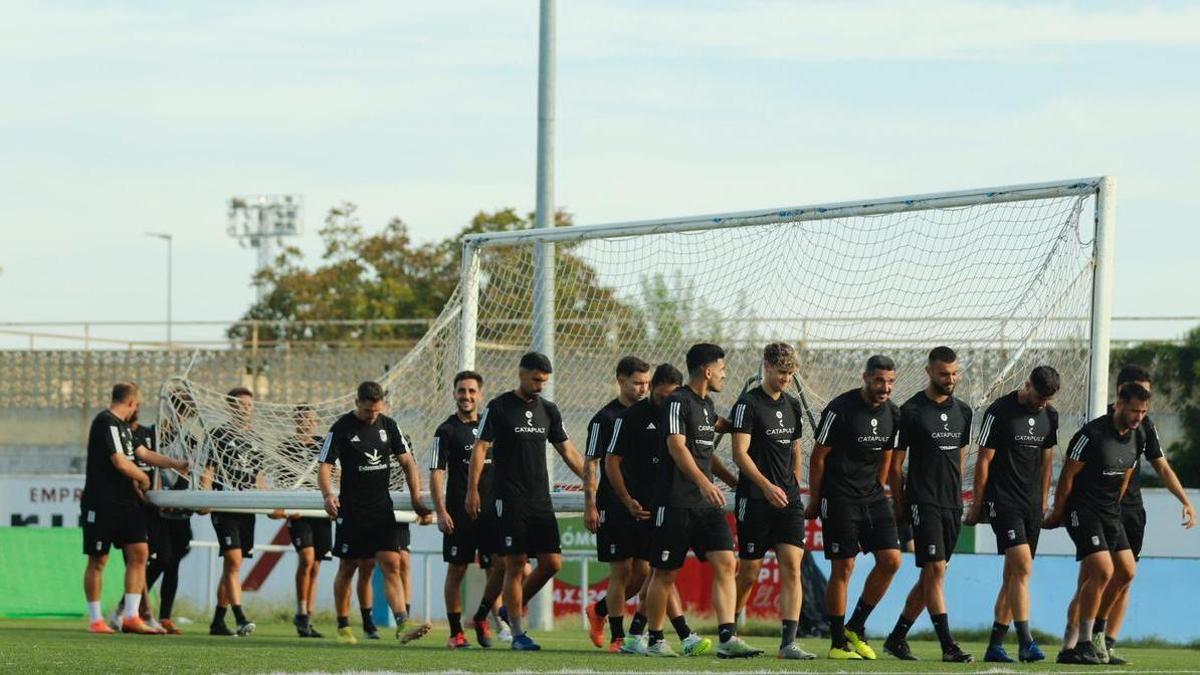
[365, 453]
[1106, 456]
[1019, 436]
[236, 461]
[104, 487]
[518, 431]
[635, 439]
[772, 424]
[599, 437]
[857, 435]
[932, 434]
[1153, 450]
[453, 442]
[685, 414]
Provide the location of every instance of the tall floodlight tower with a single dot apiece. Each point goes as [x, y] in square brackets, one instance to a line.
[261, 222]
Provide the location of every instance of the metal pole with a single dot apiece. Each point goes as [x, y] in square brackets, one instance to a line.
[468, 329]
[541, 606]
[1102, 287]
[170, 261]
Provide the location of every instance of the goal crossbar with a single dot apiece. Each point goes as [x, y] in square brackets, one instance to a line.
[792, 214]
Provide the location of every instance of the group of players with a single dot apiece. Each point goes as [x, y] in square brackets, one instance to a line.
[649, 473]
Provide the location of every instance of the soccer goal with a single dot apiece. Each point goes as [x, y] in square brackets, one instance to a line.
[1010, 277]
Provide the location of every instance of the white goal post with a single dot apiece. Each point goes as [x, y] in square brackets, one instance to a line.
[1010, 277]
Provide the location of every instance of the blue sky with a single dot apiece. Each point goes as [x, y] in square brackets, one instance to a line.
[148, 116]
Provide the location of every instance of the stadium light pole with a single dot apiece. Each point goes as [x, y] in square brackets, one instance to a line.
[542, 606]
[167, 237]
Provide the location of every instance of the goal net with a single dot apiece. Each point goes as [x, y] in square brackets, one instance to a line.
[1008, 277]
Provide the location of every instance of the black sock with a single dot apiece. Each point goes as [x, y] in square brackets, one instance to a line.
[1109, 642]
[455, 619]
[999, 631]
[482, 612]
[941, 626]
[400, 617]
[656, 636]
[301, 620]
[789, 632]
[726, 631]
[679, 623]
[1099, 625]
[1024, 637]
[219, 615]
[903, 625]
[502, 613]
[407, 609]
[343, 622]
[368, 622]
[238, 614]
[616, 626]
[837, 631]
[858, 620]
[602, 606]
[638, 625]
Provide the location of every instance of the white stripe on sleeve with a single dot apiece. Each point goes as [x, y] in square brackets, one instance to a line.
[612, 442]
[1077, 449]
[433, 456]
[823, 437]
[325, 446]
[593, 439]
[985, 430]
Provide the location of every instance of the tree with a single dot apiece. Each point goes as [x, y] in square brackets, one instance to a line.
[1176, 371]
[385, 275]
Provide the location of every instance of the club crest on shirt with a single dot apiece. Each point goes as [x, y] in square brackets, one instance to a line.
[383, 435]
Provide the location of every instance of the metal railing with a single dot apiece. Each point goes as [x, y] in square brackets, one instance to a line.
[89, 335]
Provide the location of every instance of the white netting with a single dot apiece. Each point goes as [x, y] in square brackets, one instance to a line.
[1007, 285]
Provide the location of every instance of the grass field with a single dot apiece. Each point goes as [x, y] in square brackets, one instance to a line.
[40, 645]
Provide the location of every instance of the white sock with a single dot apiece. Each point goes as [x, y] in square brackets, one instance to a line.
[94, 611]
[1085, 629]
[1071, 636]
[132, 600]
[301, 607]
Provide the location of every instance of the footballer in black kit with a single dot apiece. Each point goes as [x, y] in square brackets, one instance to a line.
[605, 514]
[1133, 513]
[463, 537]
[518, 430]
[683, 518]
[935, 430]
[111, 506]
[452, 444]
[1100, 461]
[233, 461]
[367, 444]
[1012, 482]
[851, 457]
[765, 427]
[689, 508]
[515, 427]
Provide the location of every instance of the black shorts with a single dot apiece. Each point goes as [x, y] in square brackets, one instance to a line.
[234, 531]
[677, 529]
[472, 539]
[525, 531]
[760, 526]
[156, 533]
[1134, 521]
[314, 533]
[176, 540]
[1014, 527]
[117, 526]
[935, 532]
[361, 535]
[1095, 532]
[850, 528]
[621, 536]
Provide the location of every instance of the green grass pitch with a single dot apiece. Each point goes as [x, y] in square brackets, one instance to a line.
[44, 646]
